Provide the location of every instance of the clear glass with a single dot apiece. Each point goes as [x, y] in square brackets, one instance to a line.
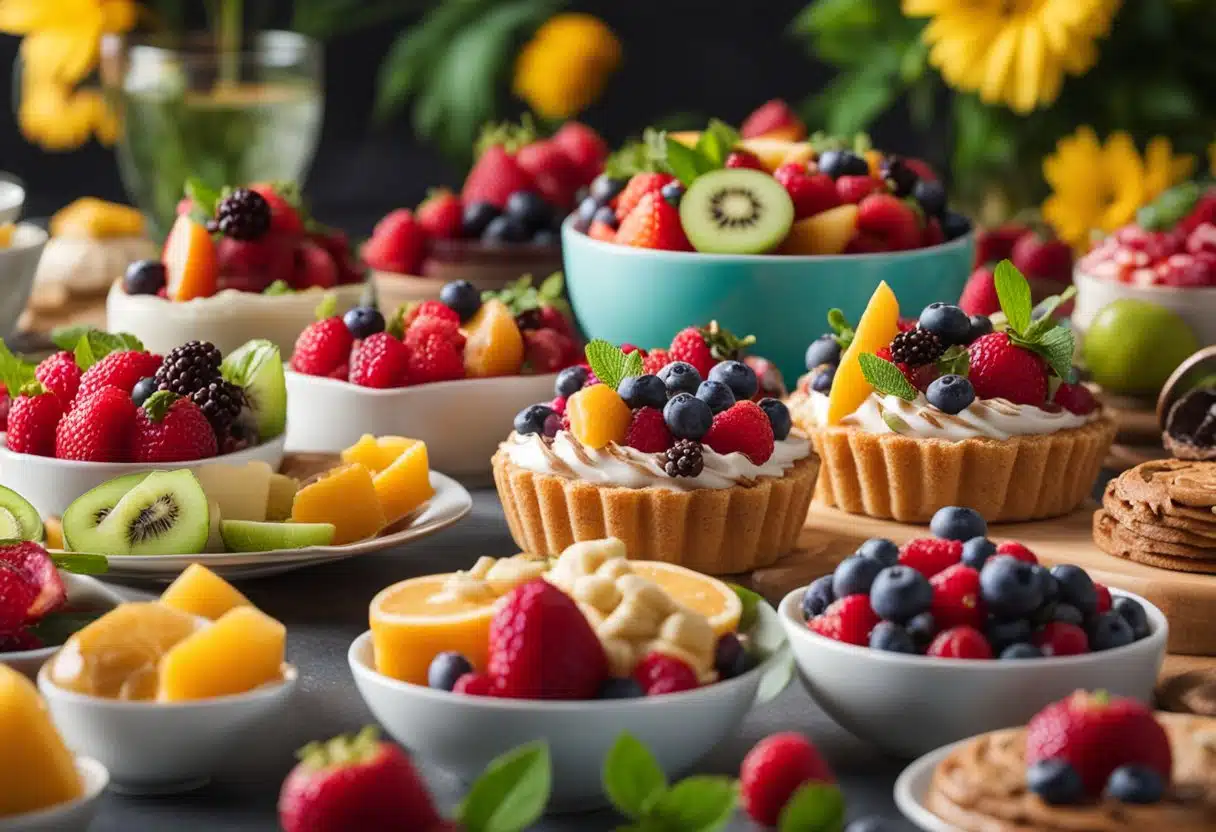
[188, 110]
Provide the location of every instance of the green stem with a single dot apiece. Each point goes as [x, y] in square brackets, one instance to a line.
[229, 40]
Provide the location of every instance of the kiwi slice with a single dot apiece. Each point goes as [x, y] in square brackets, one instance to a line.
[257, 367]
[166, 514]
[19, 519]
[736, 211]
[87, 512]
[252, 536]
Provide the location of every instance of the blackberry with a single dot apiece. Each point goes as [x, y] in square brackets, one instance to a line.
[189, 368]
[916, 347]
[901, 178]
[528, 319]
[243, 215]
[221, 403]
[683, 459]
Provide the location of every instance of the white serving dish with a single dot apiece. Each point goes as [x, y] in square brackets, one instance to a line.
[18, 265]
[82, 591]
[910, 705]
[912, 790]
[52, 484]
[12, 198]
[1195, 306]
[464, 733]
[227, 319]
[74, 816]
[155, 747]
[461, 422]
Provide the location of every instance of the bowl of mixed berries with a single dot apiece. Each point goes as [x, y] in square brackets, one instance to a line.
[239, 263]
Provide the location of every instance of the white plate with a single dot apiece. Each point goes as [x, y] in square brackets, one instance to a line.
[82, 590]
[912, 789]
[449, 504]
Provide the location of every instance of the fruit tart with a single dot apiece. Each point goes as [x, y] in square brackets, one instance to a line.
[677, 458]
[910, 417]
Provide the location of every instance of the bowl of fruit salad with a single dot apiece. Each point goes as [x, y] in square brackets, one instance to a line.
[110, 408]
[241, 264]
[572, 650]
[989, 631]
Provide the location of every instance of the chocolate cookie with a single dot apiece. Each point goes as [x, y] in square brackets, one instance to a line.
[1114, 539]
[1164, 483]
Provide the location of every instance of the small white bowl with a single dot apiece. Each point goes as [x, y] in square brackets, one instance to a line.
[461, 422]
[12, 198]
[227, 319]
[161, 748]
[910, 705]
[52, 484]
[464, 733]
[18, 265]
[83, 591]
[74, 816]
[1195, 306]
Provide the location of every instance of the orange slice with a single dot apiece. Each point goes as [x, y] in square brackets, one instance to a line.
[700, 593]
[878, 325]
[193, 271]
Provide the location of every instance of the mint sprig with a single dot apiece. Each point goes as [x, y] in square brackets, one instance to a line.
[842, 329]
[713, 146]
[1044, 336]
[522, 296]
[638, 789]
[815, 807]
[94, 345]
[15, 372]
[511, 794]
[610, 364]
[885, 377]
[954, 361]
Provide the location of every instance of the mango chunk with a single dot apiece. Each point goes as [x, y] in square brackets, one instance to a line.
[199, 591]
[406, 484]
[376, 453]
[878, 325]
[598, 416]
[36, 769]
[92, 218]
[494, 345]
[345, 497]
[241, 651]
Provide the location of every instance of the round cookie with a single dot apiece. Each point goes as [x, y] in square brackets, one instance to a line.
[1115, 540]
[1163, 482]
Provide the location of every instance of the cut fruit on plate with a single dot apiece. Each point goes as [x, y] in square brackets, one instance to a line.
[700, 593]
[258, 368]
[377, 453]
[345, 497]
[166, 513]
[827, 232]
[192, 270]
[736, 211]
[878, 325]
[242, 492]
[251, 536]
[89, 510]
[19, 519]
[241, 651]
[282, 493]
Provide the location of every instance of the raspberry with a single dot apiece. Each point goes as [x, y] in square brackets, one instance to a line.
[322, 348]
[427, 326]
[742, 428]
[956, 598]
[656, 360]
[658, 674]
[121, 370]
[60, 374]
[98, 428]
[1075, 398]
[381, 361]
[431, 309]
[684, 459]
[32, 421]
[19, 641]
[243, 215]
[774, 769]
[190, 367]
[547, 350]
[960, 643]
[1104, 600]
[690, 346]
[824, 626]
[169, 428]
[930, 555]
[474, 684]
[1016, 550]
[17, 593]
[1059, 638]
[850, 620]
[558, 405]
[434, 357]
[628, 348]
[648, 431]
[1000, 370]
[6, 405]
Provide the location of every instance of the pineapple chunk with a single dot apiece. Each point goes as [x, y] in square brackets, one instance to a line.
[199, 591]
[241, 651]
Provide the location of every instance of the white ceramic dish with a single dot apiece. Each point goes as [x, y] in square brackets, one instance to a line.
[1196, 306]
[18, 265]
[912, 790]
[449, 504]
[227, 319]
[909, 705]
[75, 816]
[154, 747]
[12, 198]
[83, 592]
[52, 484]
[461, 422]
[464, 733]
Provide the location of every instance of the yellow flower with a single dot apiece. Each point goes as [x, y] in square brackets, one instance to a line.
[1100, 186]
[1013, 52]
[565, 67]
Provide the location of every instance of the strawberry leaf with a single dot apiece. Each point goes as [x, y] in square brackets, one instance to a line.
[511, 794]
[632, 777]
[813, 806]
[396, 322]
[15, 372]
[204, 197]
[885, 377]
[159, 403]
[610, 364]
[1013, 292]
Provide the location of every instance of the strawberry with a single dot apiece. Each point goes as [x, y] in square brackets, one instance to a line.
[862, 243]
[431, 309]
[1096, 734]
[547, 350]
[960, 643]
[890, 219]
[169, 428]
[648, 431]
[6, 405]
[956, 597]
[659, 673]
[1186, 271]
[930, 555]
[1002, 370]
[252, 265]
[742, 428]
[321, 348]
[541, 646]
[774, 769]
[19, 641]
[314, 266]
[17, 593]
[811, 192]
[979, 294]
[381, 361]
[434, 354]
[654, 224]
[1059, 638]
[691, 347]
[474, 684]
[743, 159]
[638, 186]
[1104, 599]
[853, 189]
[397, 244]
[1044, 257]
[285, 216]
[554, 175]
[992, 245]
[602, 231]
[120, 370]
[584, 147]
[355, 783]
[774, 119]
[32, 421]
[337, 244]
[98, 428]
[60, 374]
[32, 561]
[1203, 212]
[849, 619]
[1016, 551]
[656, 360]
[495, 176]
[441, 215]
[1075, 398]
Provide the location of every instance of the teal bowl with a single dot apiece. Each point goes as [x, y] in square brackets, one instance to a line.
[643, 297]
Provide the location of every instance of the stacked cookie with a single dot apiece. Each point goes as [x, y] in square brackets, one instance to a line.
[1161, 513]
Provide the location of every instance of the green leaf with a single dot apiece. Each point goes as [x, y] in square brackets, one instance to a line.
[81, 564]
[610, 365]
[204, 197]
[552, 287]
[279, 287]
[1168, 209]
[700, 803]
[751, 601]
[512, 793]
[58, 627]
[1013, 293]
[1057, 346]
[327, 308]
[1047, 320]
[885, 377]
[95, 345]
[855, 99]
[67, 337]
[954, 361]
[15, 372]
[815, 807]
[686, 163]
[632, 777]
[840, 325]
[716, 142]
[829, 17]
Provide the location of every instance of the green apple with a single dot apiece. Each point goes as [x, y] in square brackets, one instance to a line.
[1132, 346]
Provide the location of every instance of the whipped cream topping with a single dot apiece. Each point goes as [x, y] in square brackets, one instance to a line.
[630, 468]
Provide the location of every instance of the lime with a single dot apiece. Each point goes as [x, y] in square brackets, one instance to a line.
[1132, 346]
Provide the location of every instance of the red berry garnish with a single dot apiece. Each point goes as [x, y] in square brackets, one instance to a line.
[930, 555]
[1016, 551]
[960, 643]
[956, 598]
[1059, 638]
[774, 769]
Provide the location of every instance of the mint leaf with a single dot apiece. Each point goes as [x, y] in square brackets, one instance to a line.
[610, 365]
[81, 564]
[750, 600]
[512, 793]
[815, 807]
[1169, 207]
[840, 325]
[633, 365]
[95, 345]
[885, 377]
[327, 308]
[700, 803]
[1057, 346]
[954, 361]
[57, 627]
[279, 287]
[67, 337]
[686, 163]
[204, 197]
[1013, 292]
[15, 372]
[1047, 320]
[632, 777]
[84, 354]
[716, 142]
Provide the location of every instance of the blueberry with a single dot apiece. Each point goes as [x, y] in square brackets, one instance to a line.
[446, 668]
[462, 297]
[505, 229]
[1021, 650]
[1056, 782]
[643, 391]
[1002, 634]
[837, 163]
[626, 688]
[585, 212]
[950, 394]
[854, 576]
[1010, 587]
[606, 215]
[957, 523]
[477, 215]
[532, 419]
[605, 187]
[672, 192]
[981, 325]
[947, 322]
[954, 225]
[778, 417]
[680, 377]
[363, 321]
[922, 628]
[530, 209]
[1051, 587]
[1068, 614]
[821, 382]
[144, 277]
[1108, 631]
[1135, 784]
[976, 552]
[931, 196]
[731, 658]
[143, 390]
[870, 824]
[880, 549]
[899, 593]
[736, 375]
[1076, 588]
[818, 597]
[546, 237]
[715, 394]
[823, 350]
[891, 638]
[1132, 613]
[687, 417]
[570, 381]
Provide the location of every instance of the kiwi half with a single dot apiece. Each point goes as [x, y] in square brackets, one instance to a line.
[165, 514]
[257, 367]
[736, 211]
[19, 519]
[87, 512]
[252, 536]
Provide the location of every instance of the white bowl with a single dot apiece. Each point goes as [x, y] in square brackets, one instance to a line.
[1195, 306]
[910, 705]
[83, 591]
[74, 816]
[461, 422]
[155, 747]
[464, 733]
[912, 789]
[52, 484]
[227, 319]
[18, 265]
[12, 198]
